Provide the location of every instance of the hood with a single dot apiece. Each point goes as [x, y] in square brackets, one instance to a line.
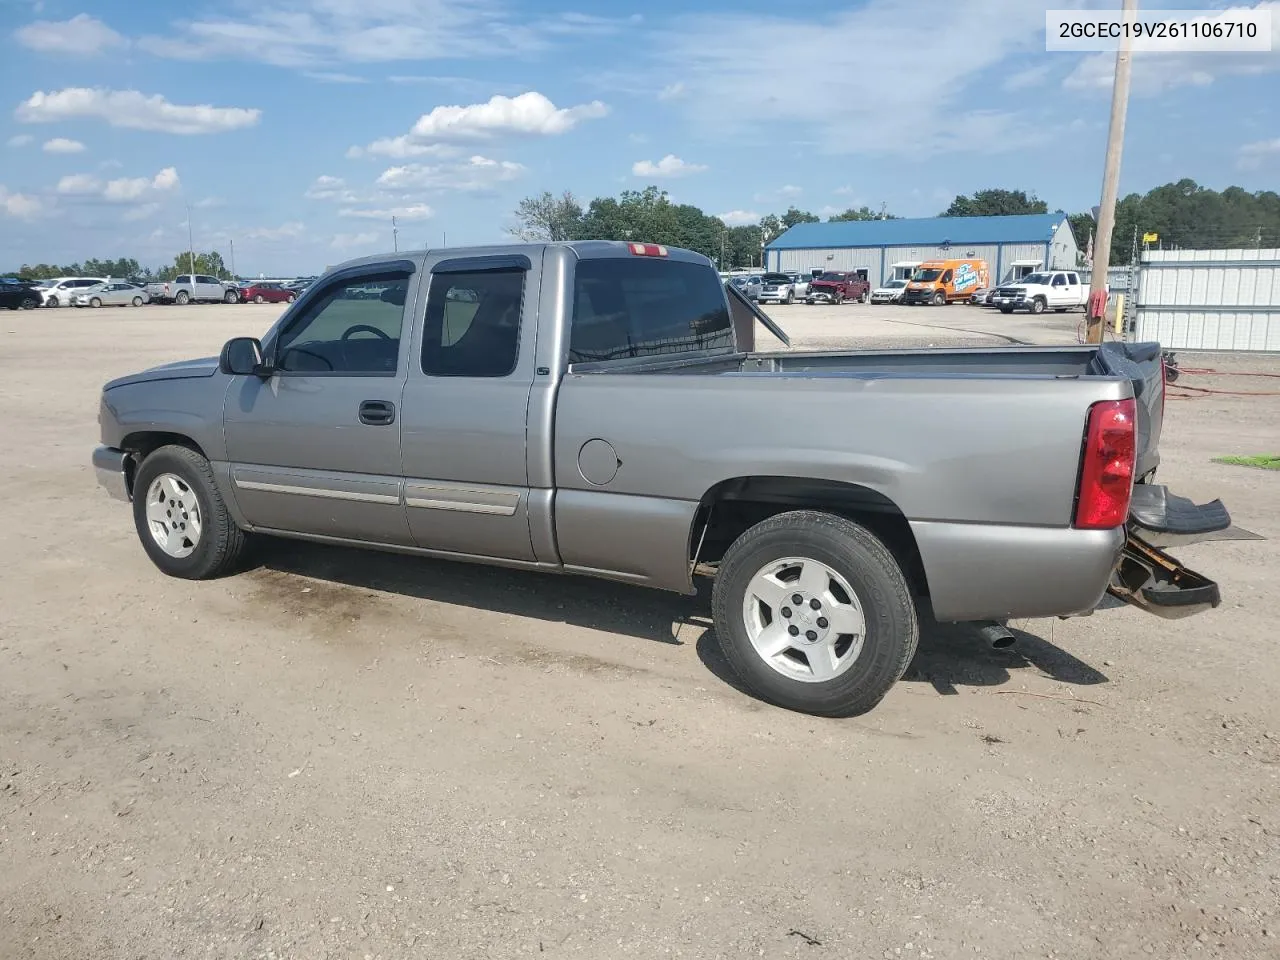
[182, 370]
[825, 283]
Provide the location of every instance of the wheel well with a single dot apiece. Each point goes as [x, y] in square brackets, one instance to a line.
[731, 507]
[142, 444]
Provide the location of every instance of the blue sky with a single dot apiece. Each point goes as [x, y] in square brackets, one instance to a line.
[297, 128]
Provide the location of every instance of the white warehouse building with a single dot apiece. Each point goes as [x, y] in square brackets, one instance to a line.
[882, 249]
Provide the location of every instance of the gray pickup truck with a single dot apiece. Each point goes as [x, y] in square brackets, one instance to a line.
[599, 408]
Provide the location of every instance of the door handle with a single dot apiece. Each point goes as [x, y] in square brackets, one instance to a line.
[377, 413]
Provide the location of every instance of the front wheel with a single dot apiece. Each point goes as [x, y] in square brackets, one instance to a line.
[180, 516]
[864, 298]
[257, 298]
[939, 298]
[30, 303]
[51, 302]
[95, 302]
[230, 297]
[814, 614]
[137, 301]
[290, 298]
[1037, 305]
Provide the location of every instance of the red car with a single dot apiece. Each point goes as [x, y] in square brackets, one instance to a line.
[267, 293]
[837, 287]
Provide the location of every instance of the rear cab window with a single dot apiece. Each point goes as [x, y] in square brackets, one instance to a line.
[626, 307]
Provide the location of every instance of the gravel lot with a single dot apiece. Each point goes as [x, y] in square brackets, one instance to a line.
[346, 755]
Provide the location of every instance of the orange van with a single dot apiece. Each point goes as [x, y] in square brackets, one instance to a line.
[946, 281]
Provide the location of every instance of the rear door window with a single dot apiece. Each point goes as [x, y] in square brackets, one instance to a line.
[646, 306]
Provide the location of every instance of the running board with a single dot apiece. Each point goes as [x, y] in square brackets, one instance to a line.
[1151, 580]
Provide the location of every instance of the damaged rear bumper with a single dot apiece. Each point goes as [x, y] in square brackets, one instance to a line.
[1149, 578]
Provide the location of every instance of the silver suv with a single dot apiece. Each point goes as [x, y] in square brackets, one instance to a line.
[778, 288]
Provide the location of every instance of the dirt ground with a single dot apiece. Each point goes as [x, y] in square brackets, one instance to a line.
[345, 755]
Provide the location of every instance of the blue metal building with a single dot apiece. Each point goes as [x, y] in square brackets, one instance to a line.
[882, 249]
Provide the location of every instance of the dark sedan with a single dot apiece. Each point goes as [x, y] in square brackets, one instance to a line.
[267, 293]
[18, 295]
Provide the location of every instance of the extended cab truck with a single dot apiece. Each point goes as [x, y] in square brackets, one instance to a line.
[1059, 290]
[945, 281]
[195, 288]
[599, 408]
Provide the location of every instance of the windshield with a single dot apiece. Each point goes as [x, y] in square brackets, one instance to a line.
[1043, 278]
[894, 284]
[776, 278]
[926, 276]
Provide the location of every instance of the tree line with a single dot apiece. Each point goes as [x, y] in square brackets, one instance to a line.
[1182, 214]
[128, 268]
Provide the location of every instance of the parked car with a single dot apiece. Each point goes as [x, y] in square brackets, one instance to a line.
[62, 292]
[799, 283]
[835, 286]
[777, 288]
[591, 430]
[117, 293]
[940, 282]
[1059, 290]
[18, 294]
[980, 295]
[749, 284]
[268, 292]
[196, 288]
[889, 292]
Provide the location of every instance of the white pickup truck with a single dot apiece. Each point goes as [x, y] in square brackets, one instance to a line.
[1059, 290]
[192, 289]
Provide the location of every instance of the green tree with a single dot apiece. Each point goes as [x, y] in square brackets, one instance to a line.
[549, 218]
[207, 263]
[794, 216]
[861, 213]
[995, 203]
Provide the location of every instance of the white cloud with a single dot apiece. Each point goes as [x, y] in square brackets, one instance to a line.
[63, 145]
[330, 188]
[672, 91]
[1252, 156]
[416, 211]
[286, 231]
[740, 218]
[476, 173]
[790, 190]
[80, 36]
[21, 140]
[143, 211]
[402, 148]
[20, 206]
[916, 111]
[123, 190]
[345, 241]
[668, 166]
[324, 76]
[530, 114]
[133, 110]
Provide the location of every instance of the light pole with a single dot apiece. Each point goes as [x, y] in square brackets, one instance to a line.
[233, 259]
[395, 236]
[1110, 181]
[191, 247]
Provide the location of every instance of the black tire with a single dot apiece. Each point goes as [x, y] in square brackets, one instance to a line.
[51, 302]
[137, 301]
[230, 297]
[1038, 305]
[791, 298]
[182, 298]
[865, 297]
[874, 574]
[839, 299]
[1059, 309]
[95, 302]
[1006, 309]
[29, 304]
[221, 542]
[939, 298]
[290, 298]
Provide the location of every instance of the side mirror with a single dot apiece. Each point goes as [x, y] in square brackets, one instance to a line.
[241, 357]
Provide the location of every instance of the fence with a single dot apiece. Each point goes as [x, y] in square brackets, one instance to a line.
[1210, 299]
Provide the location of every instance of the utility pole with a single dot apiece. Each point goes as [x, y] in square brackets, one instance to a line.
[1110, 181]
[395, 236]
[191, 247]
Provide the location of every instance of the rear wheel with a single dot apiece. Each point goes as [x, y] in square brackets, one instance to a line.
[814, 614]
[182, 298]
[180, 517]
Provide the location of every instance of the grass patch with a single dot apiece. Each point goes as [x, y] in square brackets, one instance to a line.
[1264, 461]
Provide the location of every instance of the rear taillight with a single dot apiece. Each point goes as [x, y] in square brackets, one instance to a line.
[1106, 470]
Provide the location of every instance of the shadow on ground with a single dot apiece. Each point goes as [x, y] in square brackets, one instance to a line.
[949, 655]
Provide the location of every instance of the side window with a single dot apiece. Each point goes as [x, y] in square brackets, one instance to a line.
[473, 323]
[1073, 279]
[946, 277]
[1059, 280]
[206, 280]
[643, 306]
[353, 327]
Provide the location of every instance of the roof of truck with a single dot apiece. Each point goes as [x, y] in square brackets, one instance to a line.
[584, 248]
[925, 232]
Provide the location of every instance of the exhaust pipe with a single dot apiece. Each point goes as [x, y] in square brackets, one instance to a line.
[996, 635]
